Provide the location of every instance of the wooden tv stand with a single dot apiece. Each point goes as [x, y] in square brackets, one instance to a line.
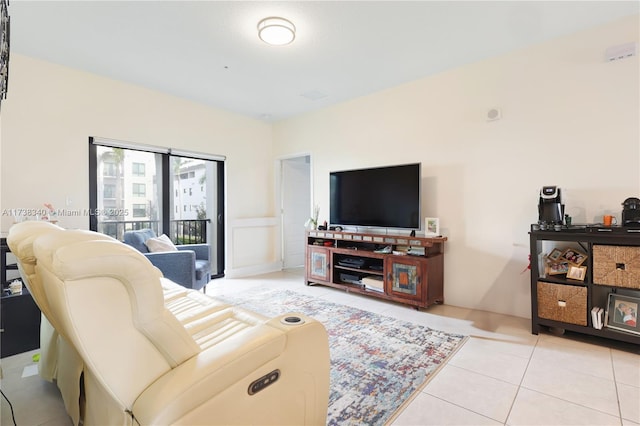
[350, 261]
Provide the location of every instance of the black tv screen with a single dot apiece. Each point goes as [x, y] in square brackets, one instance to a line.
[387, 197]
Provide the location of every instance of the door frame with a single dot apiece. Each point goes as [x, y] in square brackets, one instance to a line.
[218, 247]
[279, 184]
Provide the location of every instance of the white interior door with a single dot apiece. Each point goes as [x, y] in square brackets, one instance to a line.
[296, 202]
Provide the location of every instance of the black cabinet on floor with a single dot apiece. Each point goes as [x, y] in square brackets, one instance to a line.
[4, 266]
[19, 323]
[585, 269]
[19, 315]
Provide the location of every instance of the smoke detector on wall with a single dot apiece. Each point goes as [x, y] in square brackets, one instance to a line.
[494, 114]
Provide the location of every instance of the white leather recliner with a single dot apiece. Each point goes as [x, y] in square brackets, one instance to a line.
[59, 361]
[153, 352]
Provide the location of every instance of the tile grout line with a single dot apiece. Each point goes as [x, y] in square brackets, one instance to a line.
[460, 406]
[524, 373]
[575, 403]
[615, 385]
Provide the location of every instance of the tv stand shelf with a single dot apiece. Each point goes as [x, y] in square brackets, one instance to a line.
[351, 261]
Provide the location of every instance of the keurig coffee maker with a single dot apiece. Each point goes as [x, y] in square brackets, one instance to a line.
[550, 207]
[631, 212]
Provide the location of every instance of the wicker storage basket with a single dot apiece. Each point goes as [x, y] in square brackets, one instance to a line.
[564, 303]
[616, 266]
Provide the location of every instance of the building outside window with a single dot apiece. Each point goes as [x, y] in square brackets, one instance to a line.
[191, 175]
[139, 190]
[109, 169]
[128, 186]
[139, 210]
[109, 191]
[138, 169]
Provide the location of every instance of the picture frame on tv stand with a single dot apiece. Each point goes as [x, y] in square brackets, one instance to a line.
[431, 227]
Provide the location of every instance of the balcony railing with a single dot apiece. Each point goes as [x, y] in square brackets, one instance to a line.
[189, 231]
[180, 232]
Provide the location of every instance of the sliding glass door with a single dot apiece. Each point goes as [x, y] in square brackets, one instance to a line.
[172, 193]
[194, 202]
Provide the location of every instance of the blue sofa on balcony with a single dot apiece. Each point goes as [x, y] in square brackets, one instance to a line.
[189, 266]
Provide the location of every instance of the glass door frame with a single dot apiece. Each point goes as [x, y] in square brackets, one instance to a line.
[217, 246]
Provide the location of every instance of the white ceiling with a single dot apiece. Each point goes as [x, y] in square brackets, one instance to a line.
[209, 52]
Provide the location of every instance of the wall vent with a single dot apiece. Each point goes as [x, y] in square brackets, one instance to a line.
[620, 51]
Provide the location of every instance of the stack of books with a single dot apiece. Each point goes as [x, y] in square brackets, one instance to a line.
[596, 317]
[373, 282]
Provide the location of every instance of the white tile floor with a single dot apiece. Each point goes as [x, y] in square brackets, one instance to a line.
[502, 375]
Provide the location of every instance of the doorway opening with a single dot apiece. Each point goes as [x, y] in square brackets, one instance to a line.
[295, 208]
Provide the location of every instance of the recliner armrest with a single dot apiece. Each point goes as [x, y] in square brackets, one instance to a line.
[212, 387]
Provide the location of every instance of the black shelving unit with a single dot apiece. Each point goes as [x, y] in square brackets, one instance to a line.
[582, 238]
[19, 323]
[4, 266]
[19, 315]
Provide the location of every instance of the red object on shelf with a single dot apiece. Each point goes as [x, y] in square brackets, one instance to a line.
[528, 266]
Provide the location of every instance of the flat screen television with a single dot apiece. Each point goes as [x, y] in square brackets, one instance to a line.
[386, 197]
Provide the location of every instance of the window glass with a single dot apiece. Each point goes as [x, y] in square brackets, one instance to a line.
[138, 169]
[130, 196]
[141, 188]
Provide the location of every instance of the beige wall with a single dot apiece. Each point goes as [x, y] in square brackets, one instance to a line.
[51, 111]
[569, 119]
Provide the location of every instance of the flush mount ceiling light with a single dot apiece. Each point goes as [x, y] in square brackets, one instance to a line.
[276, 31]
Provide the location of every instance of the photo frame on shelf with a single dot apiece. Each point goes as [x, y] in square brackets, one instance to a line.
[557, 268]
[542, 264]
[622, 313]
[576, 272]
[431, 227]
[555, 254]
[573, 256]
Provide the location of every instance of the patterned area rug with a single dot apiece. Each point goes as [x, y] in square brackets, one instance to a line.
[377, 363]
